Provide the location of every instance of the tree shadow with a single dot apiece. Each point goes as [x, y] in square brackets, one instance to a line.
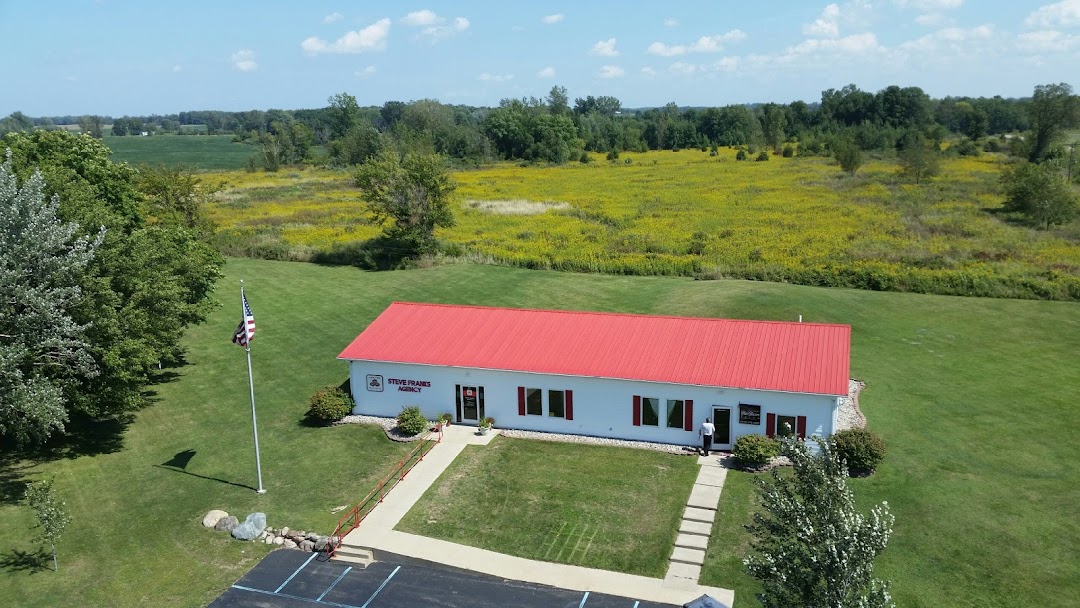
[379, 253]
[34, 561]
[12, 479]
[82, 436]
[179, 462]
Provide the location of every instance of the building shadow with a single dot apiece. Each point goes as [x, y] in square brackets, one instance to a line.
[32, 561]
[179, 462]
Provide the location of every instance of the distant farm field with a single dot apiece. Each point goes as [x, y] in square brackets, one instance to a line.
[796, 220]
[201, 152]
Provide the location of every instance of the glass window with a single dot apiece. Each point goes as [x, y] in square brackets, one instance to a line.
[556, 404]
[650, 411]
[675, 413]
[785, 426]
[533, 402]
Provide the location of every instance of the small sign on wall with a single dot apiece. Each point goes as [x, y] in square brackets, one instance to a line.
[374, 383]
[749, 414]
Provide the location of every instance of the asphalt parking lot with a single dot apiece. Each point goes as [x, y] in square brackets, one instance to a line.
[291, 579]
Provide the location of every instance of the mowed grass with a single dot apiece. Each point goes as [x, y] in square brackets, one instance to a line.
[200, 152]
[599, 507]
[975, 397]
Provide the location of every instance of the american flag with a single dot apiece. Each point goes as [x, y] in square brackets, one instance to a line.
[246, 330]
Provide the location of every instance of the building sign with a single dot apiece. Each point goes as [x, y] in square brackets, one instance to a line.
[406, 385]
[374, 383]
[749, 414]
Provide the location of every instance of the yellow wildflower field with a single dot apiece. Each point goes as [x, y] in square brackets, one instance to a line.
[688, 213]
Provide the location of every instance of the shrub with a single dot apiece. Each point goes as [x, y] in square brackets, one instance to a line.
[740, 155]
[755, 450]
[762, 156]
[613, 155]
[411, 420]
[789, 151]
[862, 449]
[329, 404]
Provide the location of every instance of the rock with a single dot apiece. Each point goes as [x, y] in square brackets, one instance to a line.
[226, 523]
[312, 536]
[302, 535]
[284, 531]
[289, 544]
[269, 539]
[320, 545]
[306, 545]
[253, 525]
[212, 517]
[278, 540]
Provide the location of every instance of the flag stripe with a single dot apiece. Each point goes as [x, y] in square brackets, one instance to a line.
[245, 331]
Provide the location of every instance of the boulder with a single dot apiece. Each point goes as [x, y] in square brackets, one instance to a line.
[212, 517]
[284, 531]
[306, 545]
[226, 524]
[312, 536]
[253, 525]
[278, 540]
[320, 544]
[289, 544]
[269, 540]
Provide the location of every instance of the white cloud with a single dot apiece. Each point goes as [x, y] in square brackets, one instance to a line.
[604, 48]
[552, 19]
[422, 17]
[827, 25]
[953, 38]
[370, 38]
[244, 60]
[177, 68]
[705, 44]
[548, 72]
[71, 78]
[856, 43]
[1047, 41]
[495, 77]
[682, 68]
[332, 17]
[1061, 14]
[367, 72]
[933, 20]
[930, 5]
[726, 64]
[671, 22]
[648, 72]
[611, 71]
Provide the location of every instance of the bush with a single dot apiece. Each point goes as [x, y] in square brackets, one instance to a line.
[862, 449]
[762, 156]
[740, 155]
[789, 151]
[329, 404]
[755, 450]
[613, 155]
[411, 421]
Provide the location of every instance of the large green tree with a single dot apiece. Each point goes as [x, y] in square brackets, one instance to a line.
[1054, 108]
[409, 193]
[151, 276]
[1039, 192]
[811, 547]
[42, 347]
[919, 159]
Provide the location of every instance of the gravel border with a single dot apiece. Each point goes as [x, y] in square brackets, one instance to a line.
[848, 416]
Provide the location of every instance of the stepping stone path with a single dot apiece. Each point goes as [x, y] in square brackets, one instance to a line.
[684, 568]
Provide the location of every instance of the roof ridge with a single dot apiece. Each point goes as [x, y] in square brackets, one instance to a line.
[617, 314]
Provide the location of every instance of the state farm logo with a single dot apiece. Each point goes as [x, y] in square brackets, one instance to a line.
[374, 383]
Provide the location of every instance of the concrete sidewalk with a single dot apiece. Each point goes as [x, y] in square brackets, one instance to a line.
[377, 534]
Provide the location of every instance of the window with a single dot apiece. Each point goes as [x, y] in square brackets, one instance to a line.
[675, 413]
[533, 402]
[556, 404]
[650, 411]
[785, 426]
[749, 414]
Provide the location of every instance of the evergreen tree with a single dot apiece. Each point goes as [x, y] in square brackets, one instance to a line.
[810, 546]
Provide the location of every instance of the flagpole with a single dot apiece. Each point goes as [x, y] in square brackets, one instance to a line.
[251, 387]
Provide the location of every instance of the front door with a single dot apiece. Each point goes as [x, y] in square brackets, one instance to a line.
[722, 422]
[470, 403]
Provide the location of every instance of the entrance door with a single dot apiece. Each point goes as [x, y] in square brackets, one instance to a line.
[470, 401]
[722, 422]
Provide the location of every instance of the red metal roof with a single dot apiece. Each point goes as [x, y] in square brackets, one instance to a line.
[763, 355]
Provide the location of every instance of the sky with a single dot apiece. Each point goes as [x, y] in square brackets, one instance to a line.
[115, 57]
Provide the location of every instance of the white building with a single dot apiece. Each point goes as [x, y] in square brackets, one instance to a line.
[638, 377]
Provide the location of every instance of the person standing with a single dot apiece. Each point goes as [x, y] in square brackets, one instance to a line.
[706, 433]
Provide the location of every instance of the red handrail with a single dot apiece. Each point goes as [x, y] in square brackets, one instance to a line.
[352, 518]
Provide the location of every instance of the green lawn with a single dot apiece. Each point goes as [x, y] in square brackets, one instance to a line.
[975, 397]
[203, 152]
[586, 505]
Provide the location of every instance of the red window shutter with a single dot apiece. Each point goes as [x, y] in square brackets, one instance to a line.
[637, 410]
[801, 423]
[569, 405]
[521, 401]
[770, 425]
[688, 415]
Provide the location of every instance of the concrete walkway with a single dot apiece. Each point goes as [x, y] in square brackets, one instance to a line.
[684, 569]
[377, 534]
